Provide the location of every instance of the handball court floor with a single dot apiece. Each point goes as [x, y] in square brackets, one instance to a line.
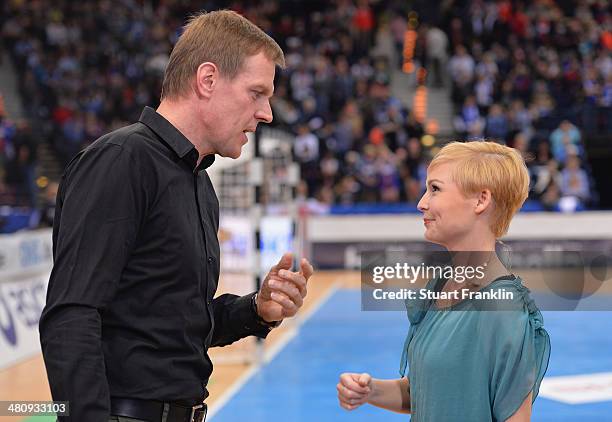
[303, 359]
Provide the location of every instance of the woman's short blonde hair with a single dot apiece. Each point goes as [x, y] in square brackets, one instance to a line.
[222, 37]
[488, 165]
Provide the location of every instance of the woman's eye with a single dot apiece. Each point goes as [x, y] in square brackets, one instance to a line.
[434, 188]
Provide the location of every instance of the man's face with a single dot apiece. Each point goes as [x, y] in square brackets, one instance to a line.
[240, 104]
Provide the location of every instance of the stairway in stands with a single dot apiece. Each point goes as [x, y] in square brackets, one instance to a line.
[438, 105]
[438, 101]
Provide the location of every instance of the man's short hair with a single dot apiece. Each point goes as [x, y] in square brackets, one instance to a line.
[221, 37]
[489, 165]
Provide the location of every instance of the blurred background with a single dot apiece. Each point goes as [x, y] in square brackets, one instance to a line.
[372, 89]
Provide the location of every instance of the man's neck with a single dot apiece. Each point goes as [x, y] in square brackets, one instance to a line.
[180, 115]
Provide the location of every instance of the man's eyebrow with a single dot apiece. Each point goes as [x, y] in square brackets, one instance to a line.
[264, 89]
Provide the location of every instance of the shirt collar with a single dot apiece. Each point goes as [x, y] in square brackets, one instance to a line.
[181, 146]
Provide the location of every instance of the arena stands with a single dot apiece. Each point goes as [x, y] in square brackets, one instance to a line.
[534, 75]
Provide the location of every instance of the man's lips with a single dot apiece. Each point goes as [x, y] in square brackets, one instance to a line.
[428, 220]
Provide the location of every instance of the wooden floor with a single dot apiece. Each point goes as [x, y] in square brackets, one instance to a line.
[28, 381]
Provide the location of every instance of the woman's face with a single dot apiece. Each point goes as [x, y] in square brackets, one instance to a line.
[449, 215]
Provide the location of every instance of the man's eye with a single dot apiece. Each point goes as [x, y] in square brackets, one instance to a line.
[256, 95]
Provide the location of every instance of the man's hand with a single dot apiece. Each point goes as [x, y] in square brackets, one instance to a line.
[283, 291]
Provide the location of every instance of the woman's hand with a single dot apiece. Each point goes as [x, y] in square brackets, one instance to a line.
[354, 390]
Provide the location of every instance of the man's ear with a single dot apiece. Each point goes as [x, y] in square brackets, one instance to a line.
[206, 79]
[484, 201]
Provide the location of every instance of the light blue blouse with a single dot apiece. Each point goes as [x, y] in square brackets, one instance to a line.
[474, 365]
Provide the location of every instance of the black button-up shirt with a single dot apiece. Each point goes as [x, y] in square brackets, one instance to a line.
[130, 309]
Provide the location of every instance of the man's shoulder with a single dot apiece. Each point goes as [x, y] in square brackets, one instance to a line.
[134, 138]
[129, 144]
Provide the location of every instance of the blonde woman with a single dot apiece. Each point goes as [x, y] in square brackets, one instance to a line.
[466, 364]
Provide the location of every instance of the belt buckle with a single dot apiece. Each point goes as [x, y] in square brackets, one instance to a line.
[194, 409]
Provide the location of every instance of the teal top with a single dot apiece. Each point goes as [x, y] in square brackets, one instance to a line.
[471, 363]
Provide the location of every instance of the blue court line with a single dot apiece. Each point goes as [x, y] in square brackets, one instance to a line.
[300, 383]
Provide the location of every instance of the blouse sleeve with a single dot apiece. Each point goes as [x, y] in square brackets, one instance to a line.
[520, 349]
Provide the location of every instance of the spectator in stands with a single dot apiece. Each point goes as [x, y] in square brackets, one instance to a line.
[27, 146]
[574, 180]
[367, 174]
[546, 178]
[389, 182]
[496, 126]
[306, 152]
[436, 46]
[469, 123]
[47, 210]
[562, 138]
[461, 68]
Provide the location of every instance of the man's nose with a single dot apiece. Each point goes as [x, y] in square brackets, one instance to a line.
[265, 114]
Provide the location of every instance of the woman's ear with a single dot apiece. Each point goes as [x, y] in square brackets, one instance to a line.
[484, 201]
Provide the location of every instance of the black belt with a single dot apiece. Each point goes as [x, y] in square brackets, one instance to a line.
[152, 411]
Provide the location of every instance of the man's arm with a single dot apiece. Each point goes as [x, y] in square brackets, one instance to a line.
[235, 319]
[99, 209]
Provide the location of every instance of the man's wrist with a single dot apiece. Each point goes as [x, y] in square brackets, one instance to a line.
[258, 318]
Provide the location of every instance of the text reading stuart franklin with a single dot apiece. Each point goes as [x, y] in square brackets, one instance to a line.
[403, 294]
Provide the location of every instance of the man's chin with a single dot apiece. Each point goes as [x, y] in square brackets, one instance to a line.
[231, 154]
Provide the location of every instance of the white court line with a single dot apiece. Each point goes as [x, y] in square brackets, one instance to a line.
[578, 389]
[270, 354]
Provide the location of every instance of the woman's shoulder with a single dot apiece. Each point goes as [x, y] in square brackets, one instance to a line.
[511, 289]
[510, 294]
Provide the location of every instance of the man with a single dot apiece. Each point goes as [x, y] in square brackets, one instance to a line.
[130, 312]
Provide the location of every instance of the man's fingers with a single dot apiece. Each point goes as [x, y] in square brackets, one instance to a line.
[289, 307]
[307, 268]
[289, 289]
[285, 262]
[296, 278]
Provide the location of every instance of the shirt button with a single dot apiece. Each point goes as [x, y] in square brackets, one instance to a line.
[210, 259]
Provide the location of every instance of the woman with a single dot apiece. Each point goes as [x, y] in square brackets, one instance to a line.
[465, 363]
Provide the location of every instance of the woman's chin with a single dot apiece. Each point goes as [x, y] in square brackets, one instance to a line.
[432, 238]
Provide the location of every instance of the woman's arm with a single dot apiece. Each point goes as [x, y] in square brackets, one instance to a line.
[392, 395]
[357, 389]
[523, 414]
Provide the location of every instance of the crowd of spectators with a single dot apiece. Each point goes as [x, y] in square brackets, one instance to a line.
[89, 67]
[17, 161]
[522, 73]
[536, 76]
